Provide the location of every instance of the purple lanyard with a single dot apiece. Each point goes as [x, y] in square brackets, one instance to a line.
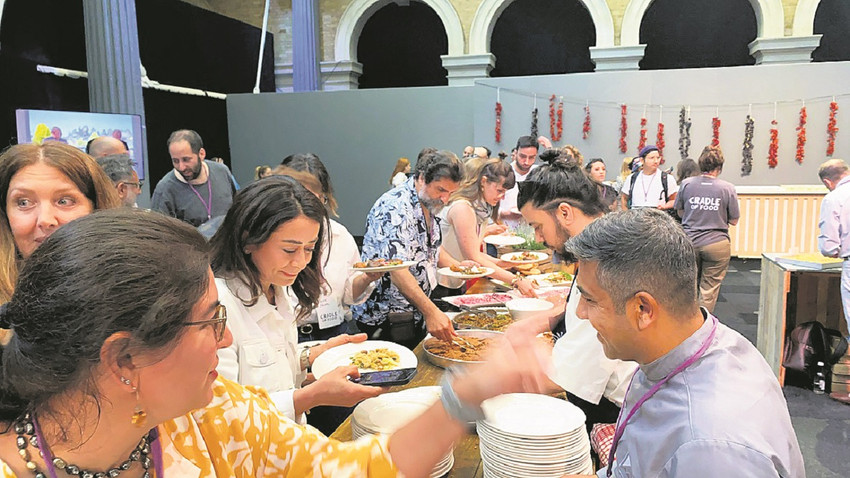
[621, 424]
[155, 444]
[209, 190]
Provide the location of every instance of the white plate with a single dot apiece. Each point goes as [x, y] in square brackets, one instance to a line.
[539, 256]
[448, 272]
[403, 265]
[543, 280]
[341, 356]
[504, 240]
[532, 415]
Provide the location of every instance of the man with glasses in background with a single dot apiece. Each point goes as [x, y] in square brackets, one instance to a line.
[119, 168]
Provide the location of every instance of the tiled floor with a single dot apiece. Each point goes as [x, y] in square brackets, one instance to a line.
[822, 425]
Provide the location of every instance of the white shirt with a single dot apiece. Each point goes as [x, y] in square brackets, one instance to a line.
[648, 191]
[580, 365]
[337, 270]
[264, 352]
[509, 201]
[399, 179]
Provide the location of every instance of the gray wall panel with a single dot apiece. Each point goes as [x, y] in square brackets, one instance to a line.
[358, 134]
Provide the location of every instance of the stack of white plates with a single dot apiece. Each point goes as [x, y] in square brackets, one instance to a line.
[388, 412]
[527, 435]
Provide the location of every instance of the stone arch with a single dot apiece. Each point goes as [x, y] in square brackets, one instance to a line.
[804, 18]
[770, 20]
[490, 10]
[359, 11]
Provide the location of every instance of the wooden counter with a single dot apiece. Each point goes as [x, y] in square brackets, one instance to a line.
[790, 295]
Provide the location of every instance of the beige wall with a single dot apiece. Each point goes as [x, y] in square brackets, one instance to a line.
[280, 19]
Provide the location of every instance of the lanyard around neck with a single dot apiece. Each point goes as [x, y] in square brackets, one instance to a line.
[621, 424]
[207, 205]
[645, 186]
[155, 444]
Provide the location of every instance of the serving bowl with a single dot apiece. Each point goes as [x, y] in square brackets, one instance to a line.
[446, 362]
[526, 307]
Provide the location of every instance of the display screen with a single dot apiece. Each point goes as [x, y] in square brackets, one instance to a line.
[78, 128]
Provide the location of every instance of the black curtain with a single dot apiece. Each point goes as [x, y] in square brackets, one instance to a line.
[401, 46]
[697, 34]
[179, 45]
[831, 20]
[542, 37]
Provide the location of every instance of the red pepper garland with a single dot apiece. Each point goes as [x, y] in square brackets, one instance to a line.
[831, 129]
[585, 129]
[773, 150]
[659, 141]
[623, 128]
[801, 136]
[556, 134]
[642, 140]
[498, 122]
[715, 131]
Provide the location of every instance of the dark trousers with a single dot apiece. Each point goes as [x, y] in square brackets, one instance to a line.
[605, 412]
[308, 332]
[382, 332]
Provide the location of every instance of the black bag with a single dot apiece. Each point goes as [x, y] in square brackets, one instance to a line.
[806, 345]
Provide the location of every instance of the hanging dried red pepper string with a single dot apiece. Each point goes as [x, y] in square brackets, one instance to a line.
[659, 137]
[585, 129]
[556, 123]
[715, 130]
[498, 116]
[623, 128]
[801, 135]
[831, 128]
[642, 138]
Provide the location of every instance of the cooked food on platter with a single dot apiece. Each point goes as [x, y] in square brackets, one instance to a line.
[477, 300]
[552, 279]
[378, 263]
[528, 269]
[376, 359]
[467, 349]
[467, 270]
[483, 319]
[524, 256]
[548, 338]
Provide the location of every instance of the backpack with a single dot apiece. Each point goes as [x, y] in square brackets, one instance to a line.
[806, 345]
[633, 179]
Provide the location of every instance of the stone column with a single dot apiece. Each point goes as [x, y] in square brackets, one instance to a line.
[305, 46]
[796, 49]
[112, 54]
[617, 57]
[113, 64]
[463, 70]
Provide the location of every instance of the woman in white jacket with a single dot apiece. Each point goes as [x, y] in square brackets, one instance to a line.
[269, 242]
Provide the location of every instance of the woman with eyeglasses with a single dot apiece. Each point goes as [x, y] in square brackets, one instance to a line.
[111, 371]
[266, 257]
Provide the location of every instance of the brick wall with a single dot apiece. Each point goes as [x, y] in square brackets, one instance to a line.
[280, 19]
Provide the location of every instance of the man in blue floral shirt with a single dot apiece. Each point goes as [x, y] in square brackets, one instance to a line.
[403, 225]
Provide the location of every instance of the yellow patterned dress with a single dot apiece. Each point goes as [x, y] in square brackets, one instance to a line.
[241, 434]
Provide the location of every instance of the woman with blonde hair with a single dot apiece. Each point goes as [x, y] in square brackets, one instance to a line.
[43, 187]
[625, 171]
[399, 175]
[464, 221]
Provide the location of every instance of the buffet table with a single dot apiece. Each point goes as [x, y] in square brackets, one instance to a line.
[467, 455]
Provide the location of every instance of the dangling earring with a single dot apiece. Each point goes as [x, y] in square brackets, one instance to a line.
[139, 415]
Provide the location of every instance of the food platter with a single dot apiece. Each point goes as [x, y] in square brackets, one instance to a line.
[483, 319]
[524, 257]
[441, 361]
[504, 239]
[475, 272]
[402, 265]
[341, 356]
[552, 279]
[471, 301]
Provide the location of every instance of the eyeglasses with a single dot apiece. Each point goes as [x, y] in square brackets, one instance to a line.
[138, 184]
[219, 323]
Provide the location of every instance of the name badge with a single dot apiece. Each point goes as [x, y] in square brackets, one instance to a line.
[329, 313]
